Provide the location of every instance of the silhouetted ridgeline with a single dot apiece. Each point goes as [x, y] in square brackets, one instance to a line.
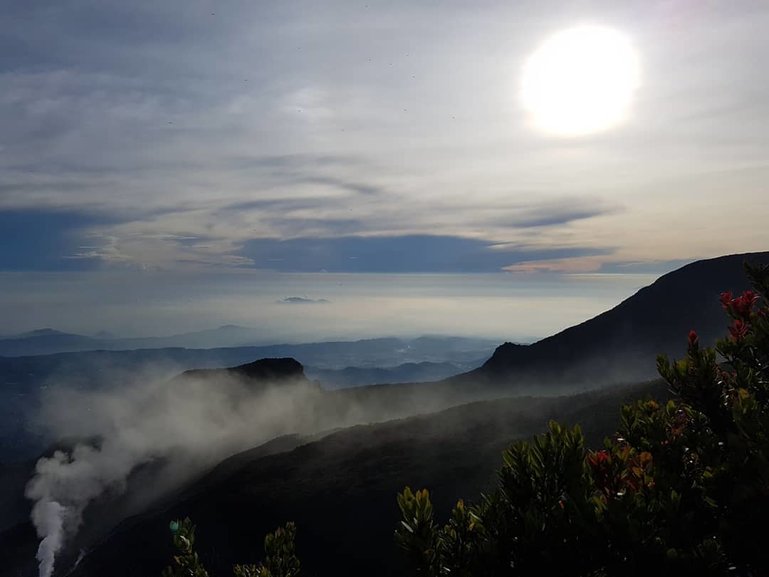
[262, 370]
[621, 344]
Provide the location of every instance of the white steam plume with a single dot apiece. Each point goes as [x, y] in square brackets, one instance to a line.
[48, 517]
[200, 419]
[186, 424]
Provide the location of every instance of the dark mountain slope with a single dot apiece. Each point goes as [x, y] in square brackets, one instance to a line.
[13, 506]
[341, 490]
[621, 344]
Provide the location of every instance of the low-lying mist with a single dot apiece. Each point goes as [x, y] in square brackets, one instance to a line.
[169, 431]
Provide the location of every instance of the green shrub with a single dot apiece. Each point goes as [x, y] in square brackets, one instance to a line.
[280, 556]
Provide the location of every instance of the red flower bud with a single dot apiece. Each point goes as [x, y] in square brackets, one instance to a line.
[694, 340]
[598, 460]
[739, 329]
[740, 307]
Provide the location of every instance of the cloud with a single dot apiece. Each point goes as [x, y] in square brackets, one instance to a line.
[214, 235]
[301, 301]
[598, 264]
[289, 120]
[555, 215]
[354, 187]
[580, 264]
[47, 240]
[296, 164]
[396, 254]
[658, 267]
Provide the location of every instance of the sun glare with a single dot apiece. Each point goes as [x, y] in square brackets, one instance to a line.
[580, 81]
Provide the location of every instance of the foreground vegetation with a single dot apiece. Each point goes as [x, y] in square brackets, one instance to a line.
[681, 489]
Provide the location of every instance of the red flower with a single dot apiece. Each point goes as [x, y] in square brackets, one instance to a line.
[598, 458]
[601, 467]
[694, 340]
[740, 307]
[743, 305]
[739, 329]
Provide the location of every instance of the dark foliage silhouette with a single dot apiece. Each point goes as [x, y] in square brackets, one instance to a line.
[681, 489]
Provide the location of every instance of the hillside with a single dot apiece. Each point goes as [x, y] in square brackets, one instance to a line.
[621, 344]
[341, 489]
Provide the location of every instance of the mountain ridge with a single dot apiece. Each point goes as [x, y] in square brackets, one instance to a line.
[620, 345]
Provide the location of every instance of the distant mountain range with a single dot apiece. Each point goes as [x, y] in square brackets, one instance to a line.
[50, 341]
[424, 371]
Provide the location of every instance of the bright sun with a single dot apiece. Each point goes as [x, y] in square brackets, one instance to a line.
[580, 81]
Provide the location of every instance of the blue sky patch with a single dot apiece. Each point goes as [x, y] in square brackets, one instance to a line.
[45, 240]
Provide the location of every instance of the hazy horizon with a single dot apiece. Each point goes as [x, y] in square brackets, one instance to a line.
[497, 306]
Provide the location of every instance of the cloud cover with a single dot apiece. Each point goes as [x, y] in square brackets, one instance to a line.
[195, 138]
[190, 129]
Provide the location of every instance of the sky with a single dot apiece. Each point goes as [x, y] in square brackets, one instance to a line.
[169, 166]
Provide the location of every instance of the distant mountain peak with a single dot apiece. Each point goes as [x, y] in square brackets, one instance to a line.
[42, 333]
